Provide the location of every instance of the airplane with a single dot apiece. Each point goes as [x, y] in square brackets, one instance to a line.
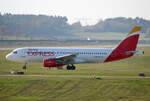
[58, 57]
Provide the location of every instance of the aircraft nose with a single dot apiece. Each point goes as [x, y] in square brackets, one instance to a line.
[8, 57]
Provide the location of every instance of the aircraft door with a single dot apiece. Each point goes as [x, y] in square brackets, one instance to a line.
[23, 53]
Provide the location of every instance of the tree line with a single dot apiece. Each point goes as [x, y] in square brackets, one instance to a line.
[43, 25]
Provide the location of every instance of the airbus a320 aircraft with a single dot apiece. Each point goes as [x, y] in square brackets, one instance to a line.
[57, 57]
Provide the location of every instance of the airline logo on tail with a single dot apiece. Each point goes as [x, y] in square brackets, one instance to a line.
[127, 47]
[135, 29]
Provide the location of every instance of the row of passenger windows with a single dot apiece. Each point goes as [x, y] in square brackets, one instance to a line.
[79, 53]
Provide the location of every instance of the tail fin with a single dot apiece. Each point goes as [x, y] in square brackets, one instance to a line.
[130, 42]
[127, 47]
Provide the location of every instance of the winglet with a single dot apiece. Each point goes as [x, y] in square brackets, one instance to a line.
[135, 29]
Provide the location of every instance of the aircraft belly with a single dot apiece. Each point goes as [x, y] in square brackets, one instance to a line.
[91, 59]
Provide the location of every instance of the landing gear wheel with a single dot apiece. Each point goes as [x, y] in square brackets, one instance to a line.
[71, 67]
[24, 67]
[68, 67]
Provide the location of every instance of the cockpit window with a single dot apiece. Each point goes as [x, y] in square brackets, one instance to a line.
[15, 52]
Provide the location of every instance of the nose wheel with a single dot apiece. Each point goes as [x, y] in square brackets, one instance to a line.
[24, 66]
[71, 67]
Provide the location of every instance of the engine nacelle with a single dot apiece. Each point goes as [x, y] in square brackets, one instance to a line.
[52, 63]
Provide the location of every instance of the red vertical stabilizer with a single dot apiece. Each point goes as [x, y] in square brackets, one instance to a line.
[127, 47]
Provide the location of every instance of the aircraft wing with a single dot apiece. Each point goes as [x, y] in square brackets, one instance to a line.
[65, 59]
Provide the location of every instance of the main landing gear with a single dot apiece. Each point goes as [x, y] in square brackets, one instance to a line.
[72, 67]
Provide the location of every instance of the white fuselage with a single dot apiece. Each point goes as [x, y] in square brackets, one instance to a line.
[38, 54]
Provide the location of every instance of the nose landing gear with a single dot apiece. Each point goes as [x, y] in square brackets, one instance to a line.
[71, 67]
[24, 66]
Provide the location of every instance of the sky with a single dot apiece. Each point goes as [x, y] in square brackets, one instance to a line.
[86, 11]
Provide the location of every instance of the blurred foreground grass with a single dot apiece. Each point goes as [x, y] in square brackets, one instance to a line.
[73, 89]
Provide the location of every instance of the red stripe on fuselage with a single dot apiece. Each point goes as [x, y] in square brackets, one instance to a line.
[127, 45]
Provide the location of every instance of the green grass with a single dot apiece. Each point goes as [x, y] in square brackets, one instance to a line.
[67, 89]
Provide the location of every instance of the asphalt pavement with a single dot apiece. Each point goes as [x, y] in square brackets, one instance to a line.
[79, 76]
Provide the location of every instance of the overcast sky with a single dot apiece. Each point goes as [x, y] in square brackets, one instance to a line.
[88, 11]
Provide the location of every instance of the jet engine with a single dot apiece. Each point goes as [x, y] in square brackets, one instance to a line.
[52, 63]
